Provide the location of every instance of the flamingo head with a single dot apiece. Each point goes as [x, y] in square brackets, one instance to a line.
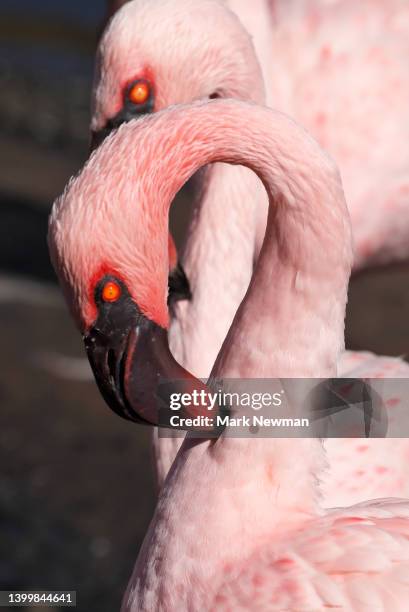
[108, 241]
[156, 53]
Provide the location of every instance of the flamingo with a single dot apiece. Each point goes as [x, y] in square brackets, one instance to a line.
[238, 525]
[220, 60]
[337, 67]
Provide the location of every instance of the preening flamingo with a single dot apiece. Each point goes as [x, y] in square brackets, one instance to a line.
[211, 54]
[238, 525]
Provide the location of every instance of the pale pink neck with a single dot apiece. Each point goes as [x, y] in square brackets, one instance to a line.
[218, 259]
[221, 500]
[300, 283]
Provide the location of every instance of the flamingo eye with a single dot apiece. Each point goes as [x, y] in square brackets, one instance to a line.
[111, 292]
[139, 92]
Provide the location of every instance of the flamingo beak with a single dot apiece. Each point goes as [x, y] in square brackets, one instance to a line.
[107, 345]
[98, 136]
[134, 368]
[127, 113]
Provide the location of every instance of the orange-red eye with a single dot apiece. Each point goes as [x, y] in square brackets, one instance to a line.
[139, 93]
[111, 292]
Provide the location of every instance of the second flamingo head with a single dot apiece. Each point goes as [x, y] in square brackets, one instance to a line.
[155, 53]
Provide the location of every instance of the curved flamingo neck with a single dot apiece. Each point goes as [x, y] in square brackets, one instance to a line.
[306, 255]
[223, 499]
[218, 259]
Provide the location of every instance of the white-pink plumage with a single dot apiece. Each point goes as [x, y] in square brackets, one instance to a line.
[340, 69]
[351, 559]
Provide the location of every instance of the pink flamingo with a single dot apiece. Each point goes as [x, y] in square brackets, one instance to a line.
[220, 60]
[337, 67]
[238, 525]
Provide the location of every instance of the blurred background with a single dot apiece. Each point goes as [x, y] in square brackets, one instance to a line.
[76, 491]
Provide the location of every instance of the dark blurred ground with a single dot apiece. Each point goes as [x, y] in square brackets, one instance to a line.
[76, 491]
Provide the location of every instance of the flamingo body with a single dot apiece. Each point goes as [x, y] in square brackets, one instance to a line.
[351, 559]
[340, 69]
[367, 469]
